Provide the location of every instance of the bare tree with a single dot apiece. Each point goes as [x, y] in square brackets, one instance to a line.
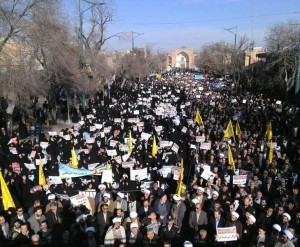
[14, 17]
[282, 43]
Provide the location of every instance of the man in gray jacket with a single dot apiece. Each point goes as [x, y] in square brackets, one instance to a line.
[36, 218]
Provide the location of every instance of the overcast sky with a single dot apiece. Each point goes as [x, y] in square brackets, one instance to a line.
[192, 23]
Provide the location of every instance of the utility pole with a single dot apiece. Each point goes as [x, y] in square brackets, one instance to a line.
[235, 34]
[81, 59]
[133, 36]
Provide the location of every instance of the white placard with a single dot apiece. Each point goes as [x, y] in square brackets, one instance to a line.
[212, 103]
[30, 166]
[44, 161]
[138, 174]
[133, 120]
[92, 128]
[278, 102]
[184, 129]
[239, 179]
[44, 144]
[117, 120]
[225, 234]
[86, 151]
[78, 200]
[244, 101]
[207, 175]
[200, 138]
[112, 152]
[189, 121]
[145, 136]
[125, 157]
[13, 150]
[205, 145]
[113, 143]
[233, 101]
[106, 129]
[140, 124]
[128, 164]
[175, 148]
[123, 147]
[136, 112]
[98, 126]
[67, 137]
[163, 144]
[107, 176]
[90, 140]
[158, 128]
[52, 133]
[55, 180]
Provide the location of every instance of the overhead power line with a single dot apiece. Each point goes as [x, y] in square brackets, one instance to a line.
[210, 20]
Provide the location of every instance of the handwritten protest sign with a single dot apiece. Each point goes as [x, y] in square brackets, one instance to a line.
[79, 199]
[138, 174]
[239, 179]
[225, 234]
[205, 145]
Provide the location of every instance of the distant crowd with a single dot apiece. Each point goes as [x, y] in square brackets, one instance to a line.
[152, 125]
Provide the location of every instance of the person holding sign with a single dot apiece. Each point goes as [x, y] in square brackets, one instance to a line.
[239, 228]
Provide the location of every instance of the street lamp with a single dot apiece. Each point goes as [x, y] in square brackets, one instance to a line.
[81, 12]
[81, 62]
[235, 33]
[133, 36]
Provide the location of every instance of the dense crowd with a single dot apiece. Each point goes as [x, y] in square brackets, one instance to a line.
[151, 211]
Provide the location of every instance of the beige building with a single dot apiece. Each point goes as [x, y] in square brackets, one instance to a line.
[255, 55]
[182, 58]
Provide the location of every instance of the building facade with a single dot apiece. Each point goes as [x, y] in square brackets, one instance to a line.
[182, 58]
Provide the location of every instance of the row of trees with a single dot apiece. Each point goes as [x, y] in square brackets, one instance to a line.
[39, 51]
[274, 74]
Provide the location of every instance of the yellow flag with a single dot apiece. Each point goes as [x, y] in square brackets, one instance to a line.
[269, 132]
[154, 147]
[220, 106]
[74, 159]
[198, 119]
[107, 166]
[229, 131]
[158, 76]
[129, 143]
[230, 158]
[42, 179]
[180, 178]
[7, 200]
[270, 156]
[237, 128]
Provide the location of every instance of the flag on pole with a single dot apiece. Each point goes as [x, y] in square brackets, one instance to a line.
[129, 143]
[229, 131]
[269, 132]
[198, 119]
[42, 179]
[220, 106]
[180, 179]
[270, 156]
[74, 160]
[237, 128]
[107, 166]
[230, 158]
[7, 200]
[154, 147]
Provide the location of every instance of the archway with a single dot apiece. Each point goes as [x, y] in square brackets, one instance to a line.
[182, 60]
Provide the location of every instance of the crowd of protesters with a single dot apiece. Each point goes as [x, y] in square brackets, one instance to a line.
[265, 210]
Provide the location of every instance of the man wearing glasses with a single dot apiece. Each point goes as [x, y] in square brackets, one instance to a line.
[20, 215]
